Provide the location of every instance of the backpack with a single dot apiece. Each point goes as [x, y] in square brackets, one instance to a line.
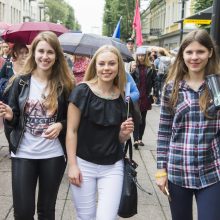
[164, 64]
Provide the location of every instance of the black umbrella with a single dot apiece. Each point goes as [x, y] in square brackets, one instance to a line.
[87, 44]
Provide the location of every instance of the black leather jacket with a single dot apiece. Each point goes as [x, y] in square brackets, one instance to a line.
[19, 93]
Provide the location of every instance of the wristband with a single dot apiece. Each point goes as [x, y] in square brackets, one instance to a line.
[160, 174]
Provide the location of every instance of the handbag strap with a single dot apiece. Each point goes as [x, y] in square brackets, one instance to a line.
[127, 146]
[140, 187]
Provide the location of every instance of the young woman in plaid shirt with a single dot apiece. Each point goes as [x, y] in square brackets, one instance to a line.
[188, 154]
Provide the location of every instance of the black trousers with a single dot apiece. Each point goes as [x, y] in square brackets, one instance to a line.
[25, 174]
[207, 200]
[142, 124]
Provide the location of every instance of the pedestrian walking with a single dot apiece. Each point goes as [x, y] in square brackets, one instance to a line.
[97, 126]
[37, 111]
[80, 64]
[188, 158]
[145, 77]
[12, 67]
[131, 47]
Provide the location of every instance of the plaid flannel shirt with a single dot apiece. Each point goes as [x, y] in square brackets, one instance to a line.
[189, 142]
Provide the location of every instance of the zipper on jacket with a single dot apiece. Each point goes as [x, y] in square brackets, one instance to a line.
[23, 83]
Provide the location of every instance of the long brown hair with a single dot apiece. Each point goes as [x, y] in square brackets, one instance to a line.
[60, 78]
[120, 79]
[179, 68]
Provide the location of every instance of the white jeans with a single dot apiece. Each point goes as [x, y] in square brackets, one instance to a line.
[108, 180]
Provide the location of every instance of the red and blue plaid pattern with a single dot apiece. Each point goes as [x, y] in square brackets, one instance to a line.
[189, 142]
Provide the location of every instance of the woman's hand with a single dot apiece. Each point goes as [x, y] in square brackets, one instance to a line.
[53, 131]
[162, 182]
[6, 111]
[127, 127]
[74, 174]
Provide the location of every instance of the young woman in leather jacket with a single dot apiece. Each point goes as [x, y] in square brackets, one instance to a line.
[37, 111]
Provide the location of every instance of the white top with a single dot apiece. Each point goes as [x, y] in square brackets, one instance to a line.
[33, 145]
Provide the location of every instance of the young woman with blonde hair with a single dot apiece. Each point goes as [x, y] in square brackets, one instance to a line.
[188, 158]
[97, 127]
[37, 112]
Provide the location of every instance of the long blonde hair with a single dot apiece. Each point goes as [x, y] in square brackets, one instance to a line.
[60, 75]
[120, 79]
[179, 68]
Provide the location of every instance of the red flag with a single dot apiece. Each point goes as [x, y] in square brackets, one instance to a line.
[137, 25]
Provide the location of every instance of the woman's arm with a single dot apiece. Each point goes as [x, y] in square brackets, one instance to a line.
[165, 129]
[73, 120]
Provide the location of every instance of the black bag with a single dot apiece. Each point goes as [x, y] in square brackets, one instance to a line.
[128, 203]
[129, 196]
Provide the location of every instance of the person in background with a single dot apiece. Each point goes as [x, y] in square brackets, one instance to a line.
[162, 65]
[37, 112]
[80, 64]
[6, 51]
[188, 158]
[2, 60]
[131, 47]
[19, 54]
[145, 78]
[97, 127]
[69, 60]
[9, 70]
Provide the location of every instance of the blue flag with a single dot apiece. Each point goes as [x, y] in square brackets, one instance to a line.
[117, 32]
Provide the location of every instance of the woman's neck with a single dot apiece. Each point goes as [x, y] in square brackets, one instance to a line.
[40, 75]
[194, 80]
[105, 87]
[195, 77]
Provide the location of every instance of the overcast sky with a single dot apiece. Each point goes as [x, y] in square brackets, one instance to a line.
[89, 14]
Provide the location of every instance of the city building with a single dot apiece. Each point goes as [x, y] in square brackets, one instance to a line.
[162, 23]
[16, 11]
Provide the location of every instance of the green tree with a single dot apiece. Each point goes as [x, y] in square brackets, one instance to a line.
[71, 22]
[60, 11]
[113, 10]
[199, 5]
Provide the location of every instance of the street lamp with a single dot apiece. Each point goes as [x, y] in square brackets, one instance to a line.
[182, 18]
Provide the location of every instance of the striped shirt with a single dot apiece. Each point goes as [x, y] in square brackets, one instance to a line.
[189, 142]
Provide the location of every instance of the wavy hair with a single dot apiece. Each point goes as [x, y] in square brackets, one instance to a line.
[120, 79]
[60, 79]
[179, 68]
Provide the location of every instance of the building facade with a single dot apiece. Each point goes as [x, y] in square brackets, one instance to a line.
[160, 22]
[16, 11]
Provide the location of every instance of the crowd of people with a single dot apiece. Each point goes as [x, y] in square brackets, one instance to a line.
[63, 110]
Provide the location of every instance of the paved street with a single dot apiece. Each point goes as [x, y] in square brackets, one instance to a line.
[153, 207]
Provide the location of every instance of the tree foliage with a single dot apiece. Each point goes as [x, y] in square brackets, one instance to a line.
[113, 10]
[58, 11]
[200, 5]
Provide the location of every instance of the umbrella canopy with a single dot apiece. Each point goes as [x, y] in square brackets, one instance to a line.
[4, 25]
[87, 44]
[27, 31]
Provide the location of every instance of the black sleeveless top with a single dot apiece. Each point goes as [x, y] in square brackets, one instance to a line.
[98, 132]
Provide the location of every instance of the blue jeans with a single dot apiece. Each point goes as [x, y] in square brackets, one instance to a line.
[207, 199]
